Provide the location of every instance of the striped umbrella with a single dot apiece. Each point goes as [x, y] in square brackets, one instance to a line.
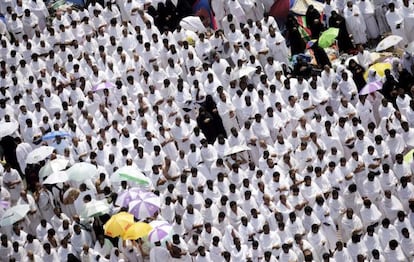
[146, 206]
[160, 231]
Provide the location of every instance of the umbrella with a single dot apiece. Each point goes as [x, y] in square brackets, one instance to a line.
[193, 23]
[132, 174]
[96, 208]
[371, 88]
[244, 71]
[81, 171]
[54, 134]
[379, 68]
[146, 206]
[408, 158]
[8, 128]
[53, 166]
[14, 214]
[328, 37]
[39, 154]
[137, 230]
[118, 224]
[131, 194]
[236, 149]
[57, 177]
[160, 231]
[103, 85]
[388, 42]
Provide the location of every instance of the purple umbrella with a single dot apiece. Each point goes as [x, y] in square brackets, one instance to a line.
[160, 231]
[102, 86]
[126, 197]
[146, 206]
[371, 88]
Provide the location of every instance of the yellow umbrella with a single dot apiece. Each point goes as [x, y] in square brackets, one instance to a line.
[379, 68]
[137, 230]
[118, 224]
[408, 158]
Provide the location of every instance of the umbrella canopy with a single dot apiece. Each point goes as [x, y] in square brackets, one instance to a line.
[96, 208]
[14, 214]
[236, 149]
[81, 171]
[160, 231]
[379, 68]
[102, 86]
[244, 71]
[57, 177]
[371, 88]
[8, 128]
[129, 173]
[53, 166]
[388, 42]
[39, 154]
[408, 158]
[328, 37]
[118, 224]
[137, 230]
[131, 194]
[146, 206]
[54, 134]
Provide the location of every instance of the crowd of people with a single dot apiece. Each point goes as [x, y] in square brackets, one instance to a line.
[254, 157]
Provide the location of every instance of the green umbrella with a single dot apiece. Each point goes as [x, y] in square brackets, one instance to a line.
[129, 173]
[328, 37]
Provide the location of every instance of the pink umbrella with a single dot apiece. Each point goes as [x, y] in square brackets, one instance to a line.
[160, 231]
[146, 206]
[371, 88]
[102, 86]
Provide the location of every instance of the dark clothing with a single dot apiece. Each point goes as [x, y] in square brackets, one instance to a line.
[297, 44]
[321, 57]
[313, 21]
[358, 75]
[344, 40]
[210, 121]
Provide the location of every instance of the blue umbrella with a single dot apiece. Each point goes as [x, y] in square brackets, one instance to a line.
[77, 2]
[54, 134]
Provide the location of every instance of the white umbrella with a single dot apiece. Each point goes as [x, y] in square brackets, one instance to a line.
[236, 149]
[8, 128]
[193, 23]
[53, 166]
[39, 154]
[244, 71]
[96, 208]
[81, 171]
[14, 214]
[388, 42]
[56, 177]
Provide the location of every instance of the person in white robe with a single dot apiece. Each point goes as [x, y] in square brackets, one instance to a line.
[355, 23]
[368, 12]
[396, 23]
